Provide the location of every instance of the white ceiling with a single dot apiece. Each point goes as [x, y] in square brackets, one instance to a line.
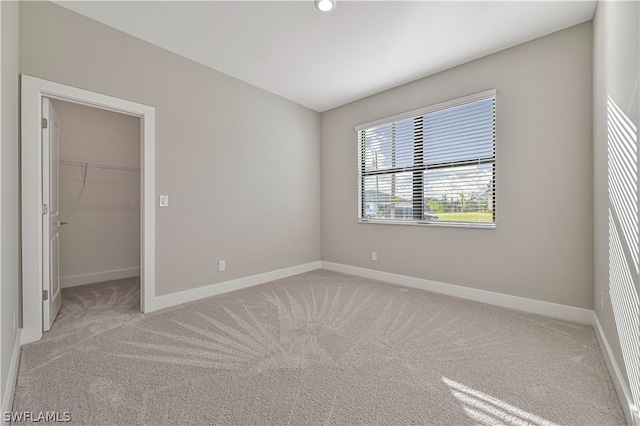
[324, 60]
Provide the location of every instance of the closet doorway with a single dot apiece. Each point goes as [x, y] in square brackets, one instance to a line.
[95, 214]
[39, 228]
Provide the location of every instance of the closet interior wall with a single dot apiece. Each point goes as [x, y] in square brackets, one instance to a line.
[99, 194]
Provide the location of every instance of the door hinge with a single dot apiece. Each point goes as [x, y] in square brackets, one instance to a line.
[45, 209]
[45, 124]
[45, 294]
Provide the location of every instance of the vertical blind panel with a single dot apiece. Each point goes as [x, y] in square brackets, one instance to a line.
[442, 164]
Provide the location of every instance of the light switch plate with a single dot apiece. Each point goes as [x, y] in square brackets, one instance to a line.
[164, 201]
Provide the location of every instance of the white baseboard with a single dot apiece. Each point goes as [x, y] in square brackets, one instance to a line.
[98, 277]
[166, 301]
[10, 386]
[624, 394]
[554, 310]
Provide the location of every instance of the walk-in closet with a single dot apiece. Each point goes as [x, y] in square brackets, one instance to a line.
[99, 211]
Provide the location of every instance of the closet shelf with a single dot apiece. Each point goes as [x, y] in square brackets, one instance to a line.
[85, 167]
[99, 166]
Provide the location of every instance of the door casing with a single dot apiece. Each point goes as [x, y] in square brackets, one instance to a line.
[32, 91]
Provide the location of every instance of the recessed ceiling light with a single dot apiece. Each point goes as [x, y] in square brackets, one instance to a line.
[325, 5]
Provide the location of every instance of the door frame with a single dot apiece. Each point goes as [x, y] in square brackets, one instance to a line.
[32, 91]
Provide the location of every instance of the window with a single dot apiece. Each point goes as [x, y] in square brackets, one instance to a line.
[435, 165]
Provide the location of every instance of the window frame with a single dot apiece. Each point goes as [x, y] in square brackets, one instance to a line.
[419, 166]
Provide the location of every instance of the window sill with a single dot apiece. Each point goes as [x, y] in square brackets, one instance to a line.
[434, 223]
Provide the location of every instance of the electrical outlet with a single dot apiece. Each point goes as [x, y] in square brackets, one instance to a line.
[601, 300]
[221, 265]
[374, 256]
[13, 320]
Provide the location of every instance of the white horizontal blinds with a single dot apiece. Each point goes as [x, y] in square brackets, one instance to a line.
[460, 193]
[459, 157]
[388, 153]
[389, 146]
[461, 133]
[435, 165]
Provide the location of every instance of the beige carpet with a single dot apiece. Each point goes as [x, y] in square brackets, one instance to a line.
[317, 348]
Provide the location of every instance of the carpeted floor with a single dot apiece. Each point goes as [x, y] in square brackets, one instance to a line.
[317, 348]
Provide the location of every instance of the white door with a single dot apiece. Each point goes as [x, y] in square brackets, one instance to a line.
[51, 295]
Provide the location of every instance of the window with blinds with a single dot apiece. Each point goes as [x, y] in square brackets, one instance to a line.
[435, 165]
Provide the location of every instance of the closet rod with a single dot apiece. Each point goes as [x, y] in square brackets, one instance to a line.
[99, 166]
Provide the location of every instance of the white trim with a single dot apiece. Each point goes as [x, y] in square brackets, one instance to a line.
[12, 377]
[624, 394]
[431, 108]
[32, 91]
[98, 277]
[539, 307]
[198, 293]
[443, 224]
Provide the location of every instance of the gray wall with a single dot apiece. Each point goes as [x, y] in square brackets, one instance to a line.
[241, 166]
[102, 207]
[9, 180]
[616, 48]
[542, 247]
